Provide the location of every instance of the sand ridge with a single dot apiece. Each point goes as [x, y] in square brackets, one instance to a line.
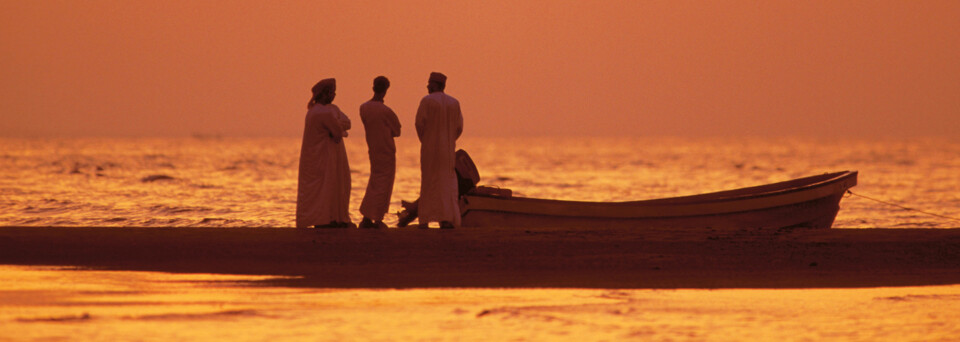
[500, 257]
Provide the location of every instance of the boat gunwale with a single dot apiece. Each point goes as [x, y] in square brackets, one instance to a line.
[834, 177]
[773, 195]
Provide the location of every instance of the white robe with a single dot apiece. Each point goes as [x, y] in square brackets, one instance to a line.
[381, 125]
[323, 189]
[439, 124]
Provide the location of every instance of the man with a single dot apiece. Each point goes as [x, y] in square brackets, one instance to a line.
[323, 189]
[439, 124]
[381, 125]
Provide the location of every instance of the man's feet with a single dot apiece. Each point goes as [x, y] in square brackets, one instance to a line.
[331, 225]
[370, 224]
[367, 223]
[426, 225]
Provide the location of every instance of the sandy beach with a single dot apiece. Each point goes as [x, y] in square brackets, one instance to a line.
[545, 257]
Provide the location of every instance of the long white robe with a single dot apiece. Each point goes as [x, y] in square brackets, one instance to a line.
[381, 125]
[439, 123]
[323, 187]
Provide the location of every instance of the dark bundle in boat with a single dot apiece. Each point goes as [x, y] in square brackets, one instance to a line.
[809, 202]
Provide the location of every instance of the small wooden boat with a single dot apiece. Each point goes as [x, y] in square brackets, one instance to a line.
[811, 202]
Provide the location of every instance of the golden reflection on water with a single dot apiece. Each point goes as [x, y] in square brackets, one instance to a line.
[56, 303]
[236, 182]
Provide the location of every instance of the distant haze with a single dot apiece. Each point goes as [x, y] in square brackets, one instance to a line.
[627, 68]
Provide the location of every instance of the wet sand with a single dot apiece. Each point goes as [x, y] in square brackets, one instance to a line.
[519, 258]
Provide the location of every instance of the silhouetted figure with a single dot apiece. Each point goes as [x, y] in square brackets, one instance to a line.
[467, 179]
[381, 125]
[439, 124]
[323, 188]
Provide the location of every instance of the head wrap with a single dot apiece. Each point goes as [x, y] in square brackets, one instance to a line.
[438, 77]
[323, 85]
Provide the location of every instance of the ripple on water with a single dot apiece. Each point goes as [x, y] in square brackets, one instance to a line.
[87, 304]
[216, 315]
[261, 181]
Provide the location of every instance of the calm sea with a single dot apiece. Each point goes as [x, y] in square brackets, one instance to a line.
[252, 182]
[232, 182]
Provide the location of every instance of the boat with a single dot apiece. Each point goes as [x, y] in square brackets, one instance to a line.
[809, 202]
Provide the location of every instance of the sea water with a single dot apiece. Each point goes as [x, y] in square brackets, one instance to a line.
[252, 182]
[232, 182]
[53, 304]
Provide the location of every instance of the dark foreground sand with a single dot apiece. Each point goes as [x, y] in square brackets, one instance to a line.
[545, 257]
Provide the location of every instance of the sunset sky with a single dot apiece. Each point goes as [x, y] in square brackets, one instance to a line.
[626, 68]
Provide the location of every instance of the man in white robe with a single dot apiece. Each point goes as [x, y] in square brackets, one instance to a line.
[381, 125]
[323, 188]
[439, 124]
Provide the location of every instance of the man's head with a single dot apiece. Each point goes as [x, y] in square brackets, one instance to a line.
[380, 85]
[325, 91]
[436, 82]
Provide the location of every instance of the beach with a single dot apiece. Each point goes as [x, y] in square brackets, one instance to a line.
[508, 258]
[155, 158]
[190, 239]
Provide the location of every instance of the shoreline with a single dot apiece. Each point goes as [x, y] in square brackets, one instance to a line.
[513, 258]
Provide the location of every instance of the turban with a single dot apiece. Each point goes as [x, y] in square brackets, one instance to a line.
[323, 85]
[438, 77]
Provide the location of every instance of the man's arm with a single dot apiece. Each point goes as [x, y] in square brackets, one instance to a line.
[459, 121]
[421, 117]
[331, 122]
[394, 123]
[344, 120]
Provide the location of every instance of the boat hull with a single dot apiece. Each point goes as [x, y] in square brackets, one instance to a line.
[811, 202]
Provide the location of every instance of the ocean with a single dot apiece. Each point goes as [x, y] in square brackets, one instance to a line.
[50, 304]
[251, 182]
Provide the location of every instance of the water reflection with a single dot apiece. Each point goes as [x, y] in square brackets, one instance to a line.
[57, 303]
[234, 182]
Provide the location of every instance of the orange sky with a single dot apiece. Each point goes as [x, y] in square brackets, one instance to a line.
[820, 68]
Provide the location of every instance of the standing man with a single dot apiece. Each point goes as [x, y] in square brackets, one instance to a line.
[381, 125]
[439, 124]
[323, 187]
